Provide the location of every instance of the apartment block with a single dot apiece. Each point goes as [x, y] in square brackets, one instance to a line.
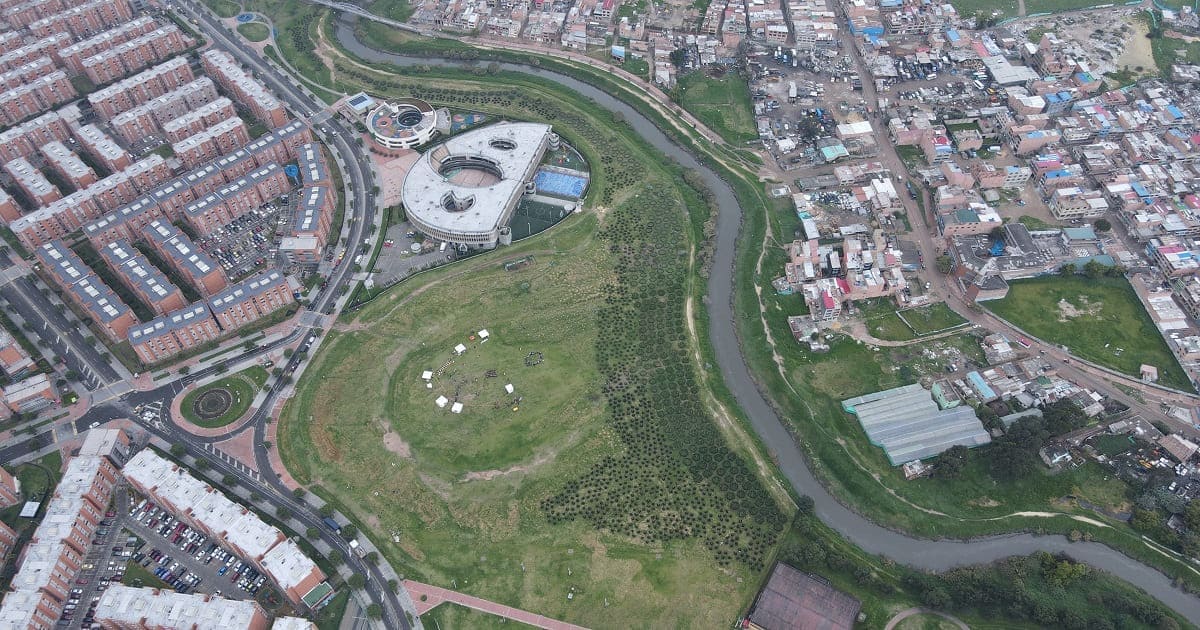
[10, 40]
[148, 118]
[36, 96]
[128, 57]
[22, 14]
[31, 394]
[26, 72]
[185, 258]
[67, 164]
[141, 87]
[83, 20]
[1074, 202]
[199, 119]
[8, 538]
[235, 199]
[14, 361]
[72, 56]
[85, 290]
[24, 139]
[36, 187]
[143, 278]
[262, 103]
[102, 147]
[213, 142]
[251, 299]
[126, 608]
[209, 511]
[10, 491]
[166, 336]
[59, 547]
[29, 52]
[313, 170]
[310, 226]
[9, 210]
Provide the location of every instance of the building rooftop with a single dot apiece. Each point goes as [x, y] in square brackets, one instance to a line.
[311, 164]
[907, 423]
[65, 159]
[167, 609]
[136, 269]
[289, 566]
[504, 155]
[168, 323]
[308, 209]
[181, 248]
[246, 290]
[61, 262]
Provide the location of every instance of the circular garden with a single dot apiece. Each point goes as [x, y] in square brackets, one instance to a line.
[225, 401]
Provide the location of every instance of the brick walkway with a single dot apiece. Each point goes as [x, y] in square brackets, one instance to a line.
[434, 595]
[241, 448]
[273, 453]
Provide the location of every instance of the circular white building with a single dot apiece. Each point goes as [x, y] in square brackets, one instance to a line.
[402, 124]
[465, 190]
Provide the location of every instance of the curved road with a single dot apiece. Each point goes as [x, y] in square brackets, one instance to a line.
[921, 553]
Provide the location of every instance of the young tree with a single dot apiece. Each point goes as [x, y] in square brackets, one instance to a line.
[1102, 225]
[374, 611]
[356, 581]
[335, 556]
[1067, 270]
[349, 531]
[178, 450]
[945, 264]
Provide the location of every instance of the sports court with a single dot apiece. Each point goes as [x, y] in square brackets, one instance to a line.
[560, 182]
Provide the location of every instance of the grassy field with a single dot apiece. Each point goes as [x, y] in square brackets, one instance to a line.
[926, 320]
[243, 385]
[610, 479]
[330, 617]
[885, 322]
[254, 31]
[721, 104]
[137, 575]
[399, 10]
[224, 8]
[1100, 320]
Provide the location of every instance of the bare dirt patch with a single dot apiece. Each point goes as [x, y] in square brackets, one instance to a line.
[984, 502]
[1068, 311]
[395, 444]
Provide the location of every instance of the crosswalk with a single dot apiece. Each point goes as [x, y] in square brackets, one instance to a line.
[232, 461]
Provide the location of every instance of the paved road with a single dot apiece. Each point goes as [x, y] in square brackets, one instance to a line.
[917, 552]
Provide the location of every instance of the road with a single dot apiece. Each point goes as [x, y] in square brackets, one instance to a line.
[936, 555]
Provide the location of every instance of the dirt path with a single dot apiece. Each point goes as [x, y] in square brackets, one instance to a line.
[905, 614]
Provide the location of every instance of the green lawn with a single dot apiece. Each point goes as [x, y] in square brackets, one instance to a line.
[1100, 320]
[609, 432]
[399, 10]
[330, 617]
[885, 322]
[1007, 8]
[242, 385]
[224, 8]
[254, 31]
[927, 320]
[1112, 445]
[137, 575]
[1034, 223]
[721, 104]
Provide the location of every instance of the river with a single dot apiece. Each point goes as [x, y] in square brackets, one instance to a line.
[936, 555]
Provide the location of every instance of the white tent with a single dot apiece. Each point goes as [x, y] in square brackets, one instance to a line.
[456, 407]
[459, 349]
[441, 401]
[508, 388]
[427, 374]
[483, 334]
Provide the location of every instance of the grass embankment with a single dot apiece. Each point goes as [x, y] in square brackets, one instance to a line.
[722, 104]
[242, 386]
[224, 8]
[399, 10]
[610, 478]
[295, 24]
[871, 494]
[254, 31]
[1099, 319]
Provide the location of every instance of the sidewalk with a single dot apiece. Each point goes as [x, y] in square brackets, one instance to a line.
[429, 597]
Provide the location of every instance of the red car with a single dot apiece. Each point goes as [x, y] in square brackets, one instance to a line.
[81, 581]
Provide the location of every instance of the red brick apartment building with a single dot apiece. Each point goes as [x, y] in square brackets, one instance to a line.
[66, 163]
[126, 608]
[224, 137]
[25, 139]
[250, 300]
[35, 97]
[72, 56]
[201, 271]
[219, 65]
[30, 395]
[8, 540]
[85, 290]
[141, 87]
[31, 181]
[83, 20]
[10, 490]
[51, 561]
[102, 147]
[169, 335]
[131, 56]
[9, 210]
[145, 280]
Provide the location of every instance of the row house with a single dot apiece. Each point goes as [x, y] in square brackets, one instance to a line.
[33, 50]
[249, 91]
[26, 72]
[310, 226]
[32, 182]
[83, 288]
[129, 608]
[20, 14]
[144, 279]
[141, 87]
[166, 336]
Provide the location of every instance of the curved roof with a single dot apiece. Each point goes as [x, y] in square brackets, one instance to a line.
[510, 151]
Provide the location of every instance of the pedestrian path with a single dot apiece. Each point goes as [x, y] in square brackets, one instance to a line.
[429, 596]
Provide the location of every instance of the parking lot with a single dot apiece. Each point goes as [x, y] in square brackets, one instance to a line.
[397, 260]
[103, 565]
[247, 244]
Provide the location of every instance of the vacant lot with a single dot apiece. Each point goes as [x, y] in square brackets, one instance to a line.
[1100, 320]
[722, 104]
[224, 8]
[233, 393]
[926, 320]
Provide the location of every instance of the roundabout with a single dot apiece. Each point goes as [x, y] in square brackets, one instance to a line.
[212, 403]
[224, 401]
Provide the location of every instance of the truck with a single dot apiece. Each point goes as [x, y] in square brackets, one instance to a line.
[332, 524]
